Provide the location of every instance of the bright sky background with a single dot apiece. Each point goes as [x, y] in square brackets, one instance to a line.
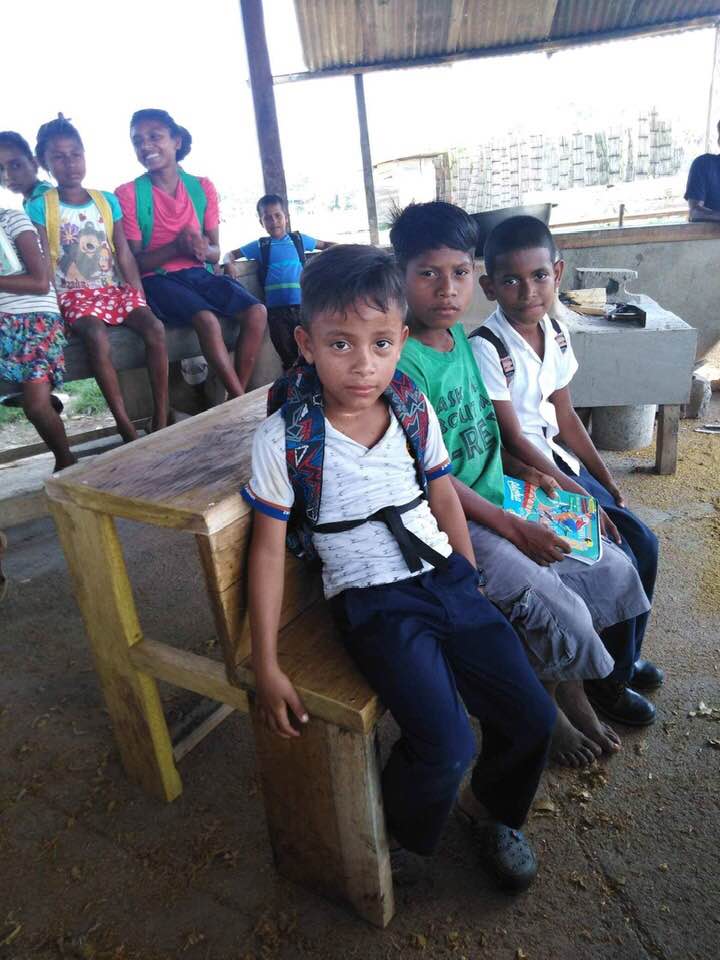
[162, 53]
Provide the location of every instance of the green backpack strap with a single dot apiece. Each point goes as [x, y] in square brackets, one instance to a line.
[144, 205]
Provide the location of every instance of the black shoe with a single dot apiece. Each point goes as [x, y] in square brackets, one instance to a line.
[407, 868]
[646, 676]
[505, 853]
[618, 702]
[16, 400]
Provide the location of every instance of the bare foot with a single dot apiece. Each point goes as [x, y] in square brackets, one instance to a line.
[570, 747]
[573, 700]
[61, 462]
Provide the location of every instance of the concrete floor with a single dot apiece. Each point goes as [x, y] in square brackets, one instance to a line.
[92, 869]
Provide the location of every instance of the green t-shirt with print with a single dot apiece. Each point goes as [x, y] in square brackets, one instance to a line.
[452, 383]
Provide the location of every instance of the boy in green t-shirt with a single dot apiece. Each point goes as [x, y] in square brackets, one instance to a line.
[557, 604]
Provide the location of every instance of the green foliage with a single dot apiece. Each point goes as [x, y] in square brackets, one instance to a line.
[85, 397]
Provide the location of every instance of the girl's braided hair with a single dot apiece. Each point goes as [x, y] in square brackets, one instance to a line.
[8, 138]
[163, 117]
[60, 127]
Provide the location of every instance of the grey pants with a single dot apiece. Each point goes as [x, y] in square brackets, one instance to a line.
[558, 611]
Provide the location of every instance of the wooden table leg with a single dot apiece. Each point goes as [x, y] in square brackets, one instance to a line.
[324, 812]
[104, 595]
[667, 439]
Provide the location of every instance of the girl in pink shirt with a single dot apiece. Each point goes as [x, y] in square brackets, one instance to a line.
[171, 222]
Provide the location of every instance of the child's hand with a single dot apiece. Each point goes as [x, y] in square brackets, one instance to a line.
[608, 528]
[199, 246]
[231, 270]
[542, 480]
[615, 493]
[537, 542]
[275, 694]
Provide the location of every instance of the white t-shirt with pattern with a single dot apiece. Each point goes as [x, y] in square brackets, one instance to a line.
[15, 223]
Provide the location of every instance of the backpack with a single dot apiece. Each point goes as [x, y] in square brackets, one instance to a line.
[298, 394]
[51, 200]
[145, 212]
[264, 261]
[506, 361]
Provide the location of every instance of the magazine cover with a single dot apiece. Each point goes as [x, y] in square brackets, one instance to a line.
[9, 262]
[571, 516]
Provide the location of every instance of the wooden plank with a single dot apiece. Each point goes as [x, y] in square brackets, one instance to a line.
[668, 423]
[21, 508]
[261, 84]
[188, 743]
[615, 237]
[102, 589]
[188, 476]
[32, 449]
[366, 160]
[324, 812]
[136, 393]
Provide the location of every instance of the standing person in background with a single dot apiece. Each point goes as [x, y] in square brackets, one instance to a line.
[171, 220]
[703, 187]
[280, 257]
[95, 274]
[19, 168]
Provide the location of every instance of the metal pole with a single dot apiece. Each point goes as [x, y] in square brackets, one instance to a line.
[366, 159]
[261, 82]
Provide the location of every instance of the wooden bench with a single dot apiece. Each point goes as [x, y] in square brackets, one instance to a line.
[321, 791]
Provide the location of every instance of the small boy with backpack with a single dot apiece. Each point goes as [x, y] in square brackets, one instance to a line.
[280, 257]
[351, 466]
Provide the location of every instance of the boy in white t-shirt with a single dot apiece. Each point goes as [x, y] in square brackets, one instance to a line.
[379, 508]
[527, 363]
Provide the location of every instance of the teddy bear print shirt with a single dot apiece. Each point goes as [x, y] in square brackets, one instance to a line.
[85, 258]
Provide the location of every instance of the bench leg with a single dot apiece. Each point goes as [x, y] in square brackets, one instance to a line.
[667, 439]
[94, 556]
[325, 817]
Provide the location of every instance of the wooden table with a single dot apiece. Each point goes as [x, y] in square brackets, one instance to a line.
[621, 364]
[321, 791]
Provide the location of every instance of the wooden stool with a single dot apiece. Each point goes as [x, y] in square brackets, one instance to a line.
[321, 791]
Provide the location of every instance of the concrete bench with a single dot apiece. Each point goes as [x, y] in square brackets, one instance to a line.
[322, 790]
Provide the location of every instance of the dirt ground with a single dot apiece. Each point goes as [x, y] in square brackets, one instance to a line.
[92, 869]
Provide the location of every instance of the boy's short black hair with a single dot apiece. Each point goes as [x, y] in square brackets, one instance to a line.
[59, 127]
[429, 226]
[517, 233]
[164, 118]
[347, 273]
[8, 138]
[267, 201]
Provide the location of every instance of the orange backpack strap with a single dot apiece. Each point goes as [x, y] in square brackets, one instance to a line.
[100, 201]
[51, 200]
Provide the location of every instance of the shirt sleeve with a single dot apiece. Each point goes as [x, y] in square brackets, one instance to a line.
[567, 363]
[36, 210]
[117, 213]
[251, 251]
[269, 490]
[16, 223]
[491, 371]
[697, 181]
[437, 462]
[126, 197]
[413, 370]
[212, 211]
[309, 243]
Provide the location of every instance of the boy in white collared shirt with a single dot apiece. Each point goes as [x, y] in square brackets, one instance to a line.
[527, 363]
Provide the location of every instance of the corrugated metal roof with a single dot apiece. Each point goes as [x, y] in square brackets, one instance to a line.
[347, 33]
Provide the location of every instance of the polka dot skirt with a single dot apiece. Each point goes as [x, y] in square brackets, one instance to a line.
[110, 304]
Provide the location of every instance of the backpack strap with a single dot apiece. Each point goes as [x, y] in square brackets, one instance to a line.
[297, 239]
[506, 361]
[560, 338]
[51, 201]
[264, 261]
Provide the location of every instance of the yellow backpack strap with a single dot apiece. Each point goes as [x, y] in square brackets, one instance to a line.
[52, 225]
[103, 206]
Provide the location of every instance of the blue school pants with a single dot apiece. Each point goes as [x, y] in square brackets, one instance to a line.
[624, 640]
[432, 646]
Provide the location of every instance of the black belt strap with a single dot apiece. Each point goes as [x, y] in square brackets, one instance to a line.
[413, 549]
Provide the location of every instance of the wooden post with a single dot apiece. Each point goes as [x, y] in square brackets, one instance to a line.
[261, 82]
[713, 116]
[366, 159]
[324, 811]
[103, 592]
[667, 439]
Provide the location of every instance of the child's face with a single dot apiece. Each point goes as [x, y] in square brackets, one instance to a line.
[17, 171]
[355, 353]
[439, 287]
[273, 218]
[65, 159]
[524, 283]
[154, 146]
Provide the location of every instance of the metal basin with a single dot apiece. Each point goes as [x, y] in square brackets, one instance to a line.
[491, 218]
